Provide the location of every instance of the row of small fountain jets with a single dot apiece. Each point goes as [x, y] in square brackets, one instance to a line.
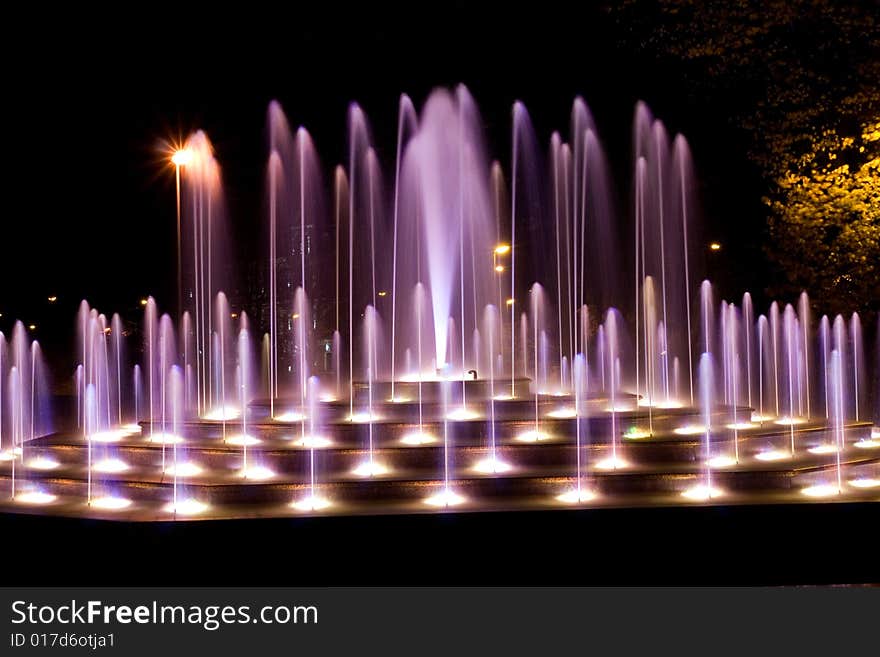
[452, 282]
[766, 365]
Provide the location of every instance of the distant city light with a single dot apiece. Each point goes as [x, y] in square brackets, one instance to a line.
[715, 246]
[509, 302]
[143, 302]
[32, 327]
[53, 299]
[383, 293]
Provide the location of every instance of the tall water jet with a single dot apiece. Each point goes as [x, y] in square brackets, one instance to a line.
[705, 491]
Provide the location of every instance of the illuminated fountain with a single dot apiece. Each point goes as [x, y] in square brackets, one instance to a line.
[441, 331]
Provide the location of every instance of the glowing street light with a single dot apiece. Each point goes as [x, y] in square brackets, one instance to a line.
[181, 157]
[52, 299]
[143, 302]
[502, 249]
[499, 268]
[715, 246]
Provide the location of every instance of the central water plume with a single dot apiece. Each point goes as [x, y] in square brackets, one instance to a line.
[445, 169]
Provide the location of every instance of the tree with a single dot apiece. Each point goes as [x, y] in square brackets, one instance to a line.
[800, 79]
[825, 221]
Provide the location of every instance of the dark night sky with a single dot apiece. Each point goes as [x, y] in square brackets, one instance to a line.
[89, 204]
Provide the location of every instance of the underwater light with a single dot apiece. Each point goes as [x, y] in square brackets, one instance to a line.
[42, 463]
[110, 503]
[575, 496]
[185, 469]
[491, 465]
[311, 503]
[418, 438]
[242, 440]
[370, 469]
[35, 497]
[445, 498]
[187, 507]
[110, 466]
[701, 492]
[820, 490]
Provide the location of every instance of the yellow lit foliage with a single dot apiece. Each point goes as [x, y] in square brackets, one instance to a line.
[825, 220]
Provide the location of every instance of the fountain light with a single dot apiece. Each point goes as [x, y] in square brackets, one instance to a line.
[132, 427]
[418, 438]
[164, 439]
[461, 414]
[701, 492]
[618, 408]
[575, 496]
[311, 503]
[532, 436]
[789, 421]
[221, 414]
[821, 490]
[35, 497]
[110, 435]
[110, 466]
[690, 430]
[362, 417]
[864, 482]
[825, 448]
[741, 426]
[110, 503]
[242, 440]
[445, 498]
[188, 507]
[757, 417]
[313, 442]
[184, 469]
[43, 463]
[370, 469]
[611, 463]
[635, 433]
[875, 432]
[562, 413]
[645, 402]
[327, 398]
[503, 397]
[256, 473]
[399, 400]
[867, 443]
[722, 461]
[290, 416]
[491, 465]
[773, 455]
[6, 455]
